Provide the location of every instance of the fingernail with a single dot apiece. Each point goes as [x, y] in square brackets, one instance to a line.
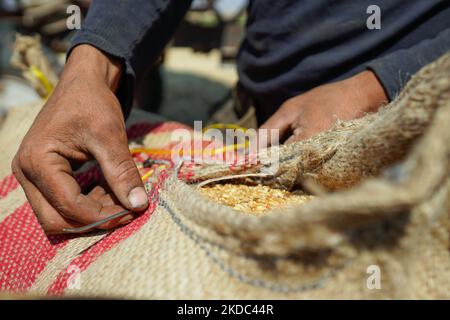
[138, 198]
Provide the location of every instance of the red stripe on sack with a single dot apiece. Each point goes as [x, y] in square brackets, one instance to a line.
[107, 243]
[8, 184]
[25, 250]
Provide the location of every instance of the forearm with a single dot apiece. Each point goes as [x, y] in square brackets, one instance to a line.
[395, 69]
[132, 31]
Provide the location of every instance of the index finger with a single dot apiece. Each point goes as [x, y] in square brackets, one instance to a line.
[53, 177]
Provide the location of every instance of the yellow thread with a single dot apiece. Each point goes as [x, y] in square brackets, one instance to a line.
[224, 126]
[151, 151]
[147, 175]
[42, 79]
[160, 152]
[231, 147]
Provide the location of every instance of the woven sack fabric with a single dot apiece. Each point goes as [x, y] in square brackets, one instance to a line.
[390, 205]
[36, 264]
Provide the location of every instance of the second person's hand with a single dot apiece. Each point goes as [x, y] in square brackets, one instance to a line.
[318, 109]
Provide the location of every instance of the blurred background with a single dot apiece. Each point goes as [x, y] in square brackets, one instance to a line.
[192, 80]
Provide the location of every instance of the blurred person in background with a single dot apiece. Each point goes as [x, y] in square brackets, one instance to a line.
[302, 64]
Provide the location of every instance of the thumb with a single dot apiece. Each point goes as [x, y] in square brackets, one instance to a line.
[121, 173]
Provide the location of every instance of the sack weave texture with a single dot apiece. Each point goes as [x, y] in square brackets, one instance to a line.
[383, 199]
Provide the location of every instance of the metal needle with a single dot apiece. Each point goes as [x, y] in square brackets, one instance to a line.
[96, 224]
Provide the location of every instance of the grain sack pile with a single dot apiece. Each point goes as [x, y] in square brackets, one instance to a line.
[381, 190]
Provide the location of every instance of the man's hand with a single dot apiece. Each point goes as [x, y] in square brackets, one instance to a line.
[82, 120]
[318, 109]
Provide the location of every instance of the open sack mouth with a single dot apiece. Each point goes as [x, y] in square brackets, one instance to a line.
[253, 199]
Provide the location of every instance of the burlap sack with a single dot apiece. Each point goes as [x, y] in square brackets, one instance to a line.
[398, 222]
[389, 213]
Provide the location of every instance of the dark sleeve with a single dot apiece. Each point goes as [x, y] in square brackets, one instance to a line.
[135, 31]
[395, 69]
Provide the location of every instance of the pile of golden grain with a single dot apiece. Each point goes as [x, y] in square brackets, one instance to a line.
[253, 199]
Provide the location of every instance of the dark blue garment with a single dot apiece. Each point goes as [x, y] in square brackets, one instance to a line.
[290, 46]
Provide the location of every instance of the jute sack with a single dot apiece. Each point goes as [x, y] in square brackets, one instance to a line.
[37, 264]
[383, 234]
[189, 247]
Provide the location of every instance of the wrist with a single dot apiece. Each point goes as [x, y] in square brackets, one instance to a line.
[91, 63]
[370, 90]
